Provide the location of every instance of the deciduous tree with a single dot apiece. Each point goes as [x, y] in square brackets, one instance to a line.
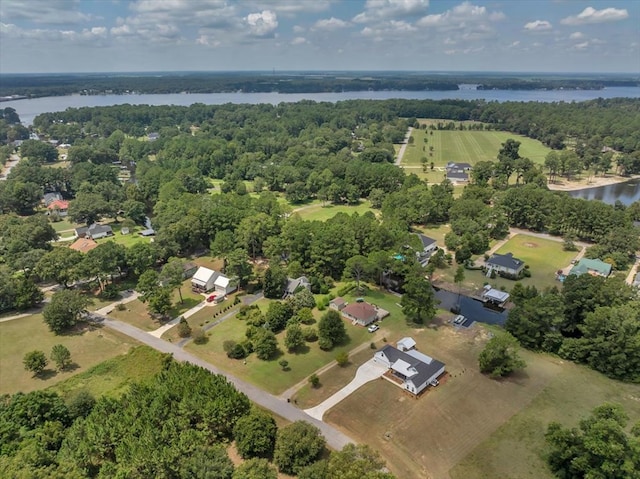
[35, 361]
[500, 356]
[61, 356]
[297, 445]
[255, 434]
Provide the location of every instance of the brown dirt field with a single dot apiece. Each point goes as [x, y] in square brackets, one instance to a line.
[426, 437]
[530, 245]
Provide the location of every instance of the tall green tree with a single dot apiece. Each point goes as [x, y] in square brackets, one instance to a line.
[297, 445]
[172, 275]
[64, 310]
[418, 301]
[500, 356]
[35, 361]
[331, 330]
[255, 434]
[256, 468]
[357, 462]
[61, 356]
[356, 268]
[60, 265]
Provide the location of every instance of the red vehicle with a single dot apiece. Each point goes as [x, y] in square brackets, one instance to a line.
[211, 298]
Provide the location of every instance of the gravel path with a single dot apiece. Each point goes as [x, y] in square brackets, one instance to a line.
[403, 147]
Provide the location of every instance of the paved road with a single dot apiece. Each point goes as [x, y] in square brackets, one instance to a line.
[403, 147]
[368, 372]
[335, 438]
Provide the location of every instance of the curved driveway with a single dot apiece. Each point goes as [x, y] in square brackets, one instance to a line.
[369, 371]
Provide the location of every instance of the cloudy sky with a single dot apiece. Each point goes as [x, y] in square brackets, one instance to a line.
[429, 35]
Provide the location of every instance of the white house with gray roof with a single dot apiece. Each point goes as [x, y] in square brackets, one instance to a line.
[413, 370]
[505, 263]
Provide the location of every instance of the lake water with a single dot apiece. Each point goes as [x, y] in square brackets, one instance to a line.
[626, 193]
[471, 308]
[29, 109]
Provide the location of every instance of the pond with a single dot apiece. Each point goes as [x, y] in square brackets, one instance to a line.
[471, 308]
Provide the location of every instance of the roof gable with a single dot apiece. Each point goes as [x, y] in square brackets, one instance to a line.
[360, 310]
[203, 274]
[505, 260]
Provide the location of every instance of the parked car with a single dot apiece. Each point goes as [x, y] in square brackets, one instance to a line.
[373, 328]
[211, 298]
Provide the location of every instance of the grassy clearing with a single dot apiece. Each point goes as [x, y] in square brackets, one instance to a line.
[437, 233]
[568, 397]
[127, 240]
[323, 213]
[64, 225]
[113, 376]
[89, 345]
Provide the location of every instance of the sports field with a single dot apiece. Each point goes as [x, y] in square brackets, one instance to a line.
[444, 146]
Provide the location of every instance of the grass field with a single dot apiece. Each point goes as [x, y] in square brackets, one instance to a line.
[88, 346]
[323, 213]
[480, 427]
[113, 376]
[462, 146]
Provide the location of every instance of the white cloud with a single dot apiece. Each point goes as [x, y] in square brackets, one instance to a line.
[290, 7]
[538, 26]
[387, 30]
[581, 46]
[298, 29]
[262, 24]
[330, 24]
[390, 9]
[299, 41]
[90, 37]
[207, 41]
[576, 36]
[591, 15]
[460, 16]
[54, 12]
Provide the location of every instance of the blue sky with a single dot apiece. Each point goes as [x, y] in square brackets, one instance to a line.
[221, 35]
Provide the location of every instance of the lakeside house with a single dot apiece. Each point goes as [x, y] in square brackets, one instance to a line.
[411, 370]
[505, 264]
[594, 267]
[494, 296]
[429, 245]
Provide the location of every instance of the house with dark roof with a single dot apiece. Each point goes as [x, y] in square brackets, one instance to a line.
[505, 264]
[95, 231]
[594, 267]
[412, 370]
[458, 172]
[294, 283]
[428, 247]
[49, 198]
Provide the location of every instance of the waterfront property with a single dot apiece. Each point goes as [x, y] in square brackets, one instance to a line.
[594, 267]
[412, 370]
[494, 296]
[429, 245]
[505, 264]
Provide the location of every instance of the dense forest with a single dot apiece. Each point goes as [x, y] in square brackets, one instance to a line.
[91, 84]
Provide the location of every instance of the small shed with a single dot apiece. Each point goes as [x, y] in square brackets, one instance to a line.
[337, 303]
[405, 344]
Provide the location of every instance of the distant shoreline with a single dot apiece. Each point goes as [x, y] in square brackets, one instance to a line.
[593, 182]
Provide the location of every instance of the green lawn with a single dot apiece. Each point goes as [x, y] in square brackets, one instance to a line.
[323, 213]
[64, 225]
[89, 345]
[127, 240]
[567, 398]
[113, 376]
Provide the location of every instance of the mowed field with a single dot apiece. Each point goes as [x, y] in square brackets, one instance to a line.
[89, 345]
[464, 147]
[471, 426]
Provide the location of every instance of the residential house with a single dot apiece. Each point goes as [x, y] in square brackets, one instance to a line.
[49, 198]
[505, 264]
[428, 247]
[413, 371]
[153, 136]
[361, 313]
[594, 267]
[147, 232]
[189, 269]
[458, 172]
[204, 280]
[60, 207]
[95, 231]
[337, 303]
[83, 245]
[294, 284]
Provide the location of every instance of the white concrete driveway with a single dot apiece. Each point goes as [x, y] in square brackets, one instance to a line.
[365, 373]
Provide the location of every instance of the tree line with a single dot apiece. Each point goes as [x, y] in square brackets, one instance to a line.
[177, 425]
